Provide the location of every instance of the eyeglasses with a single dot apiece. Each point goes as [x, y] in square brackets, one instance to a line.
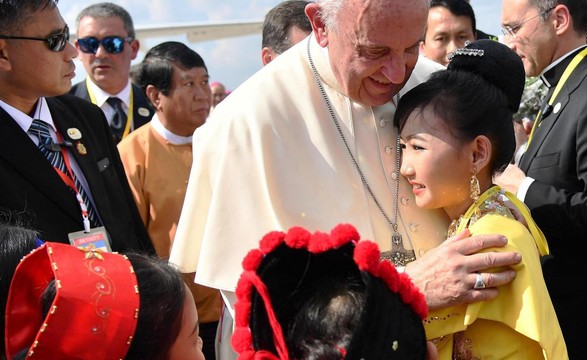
[511, 31]
[112, 44]
[56, 42]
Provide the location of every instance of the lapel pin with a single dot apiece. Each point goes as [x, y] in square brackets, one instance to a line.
[81, 149]
[144, 111]
[74, 133]
[557, 107]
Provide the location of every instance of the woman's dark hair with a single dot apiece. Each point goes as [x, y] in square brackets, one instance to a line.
[161, 291]
[16, 241]
[476, 95]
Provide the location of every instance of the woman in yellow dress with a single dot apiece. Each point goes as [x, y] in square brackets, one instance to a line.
[456, 133]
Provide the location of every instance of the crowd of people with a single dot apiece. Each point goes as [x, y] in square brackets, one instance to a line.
[133, 202]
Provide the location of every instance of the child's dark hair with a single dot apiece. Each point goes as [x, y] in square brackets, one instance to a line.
[302, 299]
[16, 241]
[162, 295]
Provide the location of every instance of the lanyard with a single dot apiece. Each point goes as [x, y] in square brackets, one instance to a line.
[129, 116]
[69, 181]
[566, 75]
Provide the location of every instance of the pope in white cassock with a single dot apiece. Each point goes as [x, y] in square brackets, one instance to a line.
[309, 141]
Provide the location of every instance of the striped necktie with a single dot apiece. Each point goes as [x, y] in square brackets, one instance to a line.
[40, 129]
[119, 120]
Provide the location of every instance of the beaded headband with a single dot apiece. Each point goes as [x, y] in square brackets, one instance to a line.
[94, 313]
[278, 253]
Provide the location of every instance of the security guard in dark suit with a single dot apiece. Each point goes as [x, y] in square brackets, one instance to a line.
[59, 167]
[106, 44]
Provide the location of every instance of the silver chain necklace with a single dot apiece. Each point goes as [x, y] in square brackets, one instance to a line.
[398, 255]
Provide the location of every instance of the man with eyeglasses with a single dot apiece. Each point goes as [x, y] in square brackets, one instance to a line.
[59, 167]
[106, 44]
[550, 37]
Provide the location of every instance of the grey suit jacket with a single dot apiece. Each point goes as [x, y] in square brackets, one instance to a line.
[557, 159]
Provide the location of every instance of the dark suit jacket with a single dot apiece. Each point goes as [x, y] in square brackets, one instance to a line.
[557, 160]
[30, 185]
[483, 35]
[139, 101]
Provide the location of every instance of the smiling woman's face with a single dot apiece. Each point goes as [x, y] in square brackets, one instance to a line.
[435, 163]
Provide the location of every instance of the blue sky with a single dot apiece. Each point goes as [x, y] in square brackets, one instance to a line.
[230, 61]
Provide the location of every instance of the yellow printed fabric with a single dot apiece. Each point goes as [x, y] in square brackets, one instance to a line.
[520, 323]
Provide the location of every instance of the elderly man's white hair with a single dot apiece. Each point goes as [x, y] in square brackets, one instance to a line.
[329, 10]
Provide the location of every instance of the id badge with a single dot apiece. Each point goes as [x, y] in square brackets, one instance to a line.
[95, 239]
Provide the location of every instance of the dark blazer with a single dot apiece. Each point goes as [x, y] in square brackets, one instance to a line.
[557, 199]
[140, 101]
[483, 35]
[30, 185]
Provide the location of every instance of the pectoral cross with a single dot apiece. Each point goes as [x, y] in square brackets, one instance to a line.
[398, 255]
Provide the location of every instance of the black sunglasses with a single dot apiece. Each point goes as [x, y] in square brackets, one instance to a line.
[56, 42]
[112, 44]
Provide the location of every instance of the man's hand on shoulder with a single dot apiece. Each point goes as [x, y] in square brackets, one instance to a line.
[510, 179]
[448, 274]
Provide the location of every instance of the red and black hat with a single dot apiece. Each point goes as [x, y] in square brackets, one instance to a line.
[93, 315]
[297, 275]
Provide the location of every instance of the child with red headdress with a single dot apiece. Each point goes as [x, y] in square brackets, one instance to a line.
[326, 296]
[71, 303]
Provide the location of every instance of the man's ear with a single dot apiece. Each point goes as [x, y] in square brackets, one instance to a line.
[135, 46]
[4, 58]
[421, 46]
[267, 55]
[562, 20]
[318, 27]
[153, 94]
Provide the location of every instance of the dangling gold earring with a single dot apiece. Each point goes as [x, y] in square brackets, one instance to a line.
[475, 190]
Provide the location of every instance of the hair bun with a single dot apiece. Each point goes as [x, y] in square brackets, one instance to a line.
[496, 63]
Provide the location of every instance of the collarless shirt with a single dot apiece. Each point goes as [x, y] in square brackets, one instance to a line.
[168, 135]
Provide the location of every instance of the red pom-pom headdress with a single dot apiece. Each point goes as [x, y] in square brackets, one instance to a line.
[284, 261]
[93, 315]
